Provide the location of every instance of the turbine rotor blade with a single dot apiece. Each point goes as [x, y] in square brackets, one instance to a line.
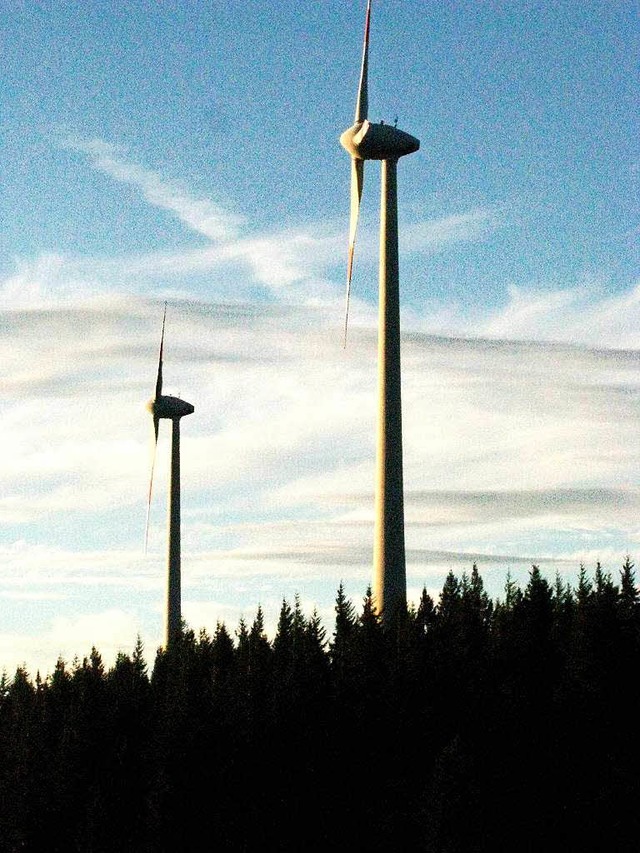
[156, 426]
[159, 378]
[362, 102]
[357, 181]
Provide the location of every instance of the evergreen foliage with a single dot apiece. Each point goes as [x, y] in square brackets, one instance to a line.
[463, 725]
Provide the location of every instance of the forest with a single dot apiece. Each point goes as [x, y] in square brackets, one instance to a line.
[465, 724]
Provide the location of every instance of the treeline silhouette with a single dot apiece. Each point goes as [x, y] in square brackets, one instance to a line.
[463, 725]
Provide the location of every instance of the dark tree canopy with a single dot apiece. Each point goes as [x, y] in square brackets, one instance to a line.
[463, 725]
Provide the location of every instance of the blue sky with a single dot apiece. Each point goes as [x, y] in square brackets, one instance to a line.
[189, 152]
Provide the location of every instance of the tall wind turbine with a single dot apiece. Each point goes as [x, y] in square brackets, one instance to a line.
[367, 141]
[169, 408]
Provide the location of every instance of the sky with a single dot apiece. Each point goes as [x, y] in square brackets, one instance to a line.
[188, 152]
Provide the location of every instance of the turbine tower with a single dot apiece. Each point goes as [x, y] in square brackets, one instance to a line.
[367, 141]
[169, 408]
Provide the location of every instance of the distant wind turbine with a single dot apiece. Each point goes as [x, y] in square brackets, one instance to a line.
[170, 408]
[367, 141]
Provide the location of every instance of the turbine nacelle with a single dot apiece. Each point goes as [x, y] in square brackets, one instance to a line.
[169, 407]
[367, 141]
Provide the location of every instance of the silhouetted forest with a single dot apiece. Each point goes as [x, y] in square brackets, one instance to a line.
[465, 725]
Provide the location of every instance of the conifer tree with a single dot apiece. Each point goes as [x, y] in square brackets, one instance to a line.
[448, 605]
[259, 669]
[222, 654]
[139, 663]
[583, 590]
[371, 652]
[258, 643]
[425, 615]
[629, 595]
[283, 645]
[344, 632]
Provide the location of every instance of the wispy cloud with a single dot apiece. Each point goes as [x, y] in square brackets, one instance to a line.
[47, 280]
[110, 631]
[553, 505]
[585, 314]
[506, 404]
[200, 215]
[293, 264]
[433, 235]
[517, 447]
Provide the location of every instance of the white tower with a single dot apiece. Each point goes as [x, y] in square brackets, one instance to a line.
[170, 408]
[367, 141]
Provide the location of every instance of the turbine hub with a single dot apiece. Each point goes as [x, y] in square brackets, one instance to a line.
[169, 407]
[366, 141]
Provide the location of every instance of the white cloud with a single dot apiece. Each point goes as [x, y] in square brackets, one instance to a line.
[201, 215]
[293, 264]
[434, 235]
[110, 631]
[586, 314]
[43, 281]
[518, 415]
[514, 451]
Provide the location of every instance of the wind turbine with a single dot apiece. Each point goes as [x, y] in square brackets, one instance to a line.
[367, 141]
[169, 408]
